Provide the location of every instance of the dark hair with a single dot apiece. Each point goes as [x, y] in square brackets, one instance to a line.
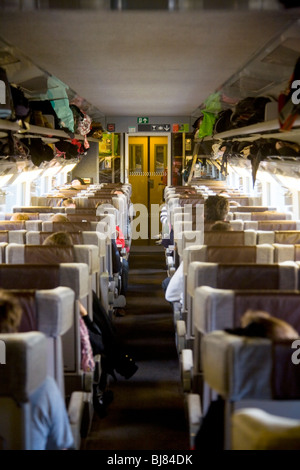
[77, 178]
[216, 208]
[59, 238]
[262, 324]
[10, 313]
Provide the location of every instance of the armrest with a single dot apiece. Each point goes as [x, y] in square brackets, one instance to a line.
[187, 369]
[194, 411]
[180, 335]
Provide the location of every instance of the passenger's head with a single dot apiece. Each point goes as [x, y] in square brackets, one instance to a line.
[117, 191]
[59, 218]
[78, 182]
[10, 312]
[264, 325]
[19, 216]
[215, 208]
[221, 227]
[68, 202]
[59, 238]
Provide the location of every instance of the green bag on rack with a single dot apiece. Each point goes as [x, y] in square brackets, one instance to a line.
[213, 103]
[207, 125]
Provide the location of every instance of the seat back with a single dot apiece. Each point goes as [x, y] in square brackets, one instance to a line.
[23, 369]
[105, 227]
[236, 237]
[30, 215]
[78, 238]
[286, 252]
[13, 236]
[188, 238]
[272, 225]
[244, 370]
[263, 254]
[50, 311]
[246, 200]
[237, 276]
[218, 309]
[47, 254]
[229, 254]
[263, 215]
[223, 308]
[45, 276]
[251, 209]
[38, 209]
[20, 225]
[49, 226]
[255, 429]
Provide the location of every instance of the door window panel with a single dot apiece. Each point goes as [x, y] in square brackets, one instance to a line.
[136, 156]
[160, 158]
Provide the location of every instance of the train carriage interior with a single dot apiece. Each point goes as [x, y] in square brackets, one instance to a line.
[150, 224]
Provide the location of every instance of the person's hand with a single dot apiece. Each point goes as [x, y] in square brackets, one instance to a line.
[82, 310]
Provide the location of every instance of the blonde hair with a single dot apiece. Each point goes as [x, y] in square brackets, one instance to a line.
[59, 218]
[10, 312]
[272, 327]
[18, 216]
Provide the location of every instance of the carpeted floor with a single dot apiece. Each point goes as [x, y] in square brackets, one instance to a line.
[148, 409]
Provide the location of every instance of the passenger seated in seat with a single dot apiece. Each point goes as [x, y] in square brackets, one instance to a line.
[261, 324]
[66, 202]
[216, 209]
[50, 423]
[102, 335]
[120, 263]
[77, 182]
[254, 323]
[87, 361]
[120, 243]
[19, 216]
[173, 286]
[59, 218]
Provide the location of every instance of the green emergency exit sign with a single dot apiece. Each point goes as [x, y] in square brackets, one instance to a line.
[142, 120]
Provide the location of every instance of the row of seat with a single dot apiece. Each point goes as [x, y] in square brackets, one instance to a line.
[62, 277]
[91, 196]
[219, 284]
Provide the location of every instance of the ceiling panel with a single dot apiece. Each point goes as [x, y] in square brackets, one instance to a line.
[134, 62]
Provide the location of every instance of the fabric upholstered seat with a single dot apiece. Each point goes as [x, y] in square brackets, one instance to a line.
[256, 429]
[250, 372]
[237, 276]
[256, 254]
[43, 276]
[50, 311]
[22, 371]
[220, 309]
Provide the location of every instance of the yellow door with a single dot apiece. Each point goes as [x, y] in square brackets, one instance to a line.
[148, 176]
[138, 169]
[158, 166]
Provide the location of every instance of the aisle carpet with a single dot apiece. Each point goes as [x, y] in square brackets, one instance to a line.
[148, 409]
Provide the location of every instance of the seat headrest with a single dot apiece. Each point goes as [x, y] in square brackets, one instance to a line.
[25, 364]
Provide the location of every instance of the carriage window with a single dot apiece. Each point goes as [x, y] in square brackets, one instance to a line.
[136, 158]
[160, 155]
